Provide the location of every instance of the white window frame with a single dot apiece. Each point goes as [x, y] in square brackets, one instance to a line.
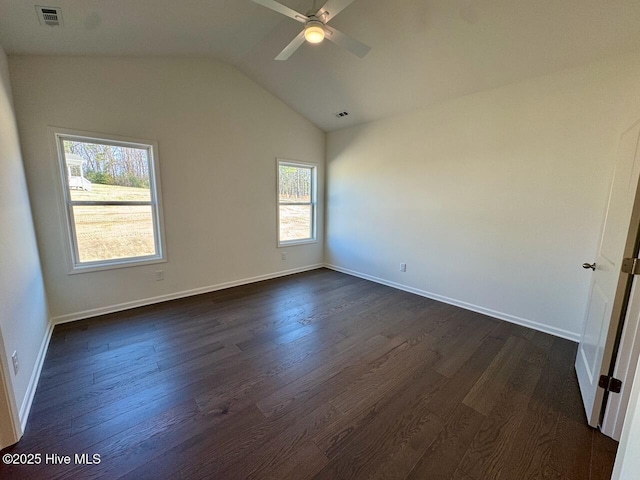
[312, 202]
[58, 135]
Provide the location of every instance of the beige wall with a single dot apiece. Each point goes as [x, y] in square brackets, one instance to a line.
[493, 200]
[23, 307]
[218, 133]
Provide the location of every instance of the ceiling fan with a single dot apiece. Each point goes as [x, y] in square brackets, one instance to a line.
[316, 28]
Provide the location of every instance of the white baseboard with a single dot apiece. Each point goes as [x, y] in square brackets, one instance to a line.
[25, 408]
[558, 332]
[71, 317]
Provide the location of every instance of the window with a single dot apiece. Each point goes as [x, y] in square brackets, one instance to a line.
[112, 201]
[296, 203]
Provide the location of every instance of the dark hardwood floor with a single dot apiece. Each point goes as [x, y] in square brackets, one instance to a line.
[317, 375]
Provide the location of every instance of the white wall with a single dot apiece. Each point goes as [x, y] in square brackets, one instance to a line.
[24, 322]
[218, 133]
[493, 200]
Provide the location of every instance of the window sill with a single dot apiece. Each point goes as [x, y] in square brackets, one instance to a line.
[292, 243]
[114, 265]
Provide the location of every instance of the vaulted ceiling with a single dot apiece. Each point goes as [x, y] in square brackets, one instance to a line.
[423, 51]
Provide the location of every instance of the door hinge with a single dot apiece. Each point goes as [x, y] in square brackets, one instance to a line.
[631, 266]
[610, 384]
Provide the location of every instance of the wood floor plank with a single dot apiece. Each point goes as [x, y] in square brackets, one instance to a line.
[391, 444]
[460, 475]
[385, 373]
[465, 345]
[357, 355]
[571, 449]
[441, 459]
[270, 442]
[423, 383]
[506, 330]
[603, 456]
[490, 386]
[277, 449]
[485, 459]
[272, 375]
[103, 396]
[136, 446]
[317, 412]
[177, 462]
[99, 424]
[456, 389]
[529, 454]
[95, 411]
[313, 375]
[303, 464]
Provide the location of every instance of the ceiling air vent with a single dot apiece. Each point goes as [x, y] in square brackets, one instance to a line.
[51, 16]
[342, 114]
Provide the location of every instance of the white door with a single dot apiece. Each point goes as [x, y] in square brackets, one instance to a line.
[8, 424]
[608, 284]
[625, 367]
[10, 430]
[627, 466]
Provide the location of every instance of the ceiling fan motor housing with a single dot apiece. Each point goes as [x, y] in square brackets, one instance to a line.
[314, 30]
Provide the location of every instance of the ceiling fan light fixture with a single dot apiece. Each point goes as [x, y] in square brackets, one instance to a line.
[313, 32]
[315, 28]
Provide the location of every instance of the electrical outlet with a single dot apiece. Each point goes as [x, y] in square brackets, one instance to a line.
[403, 267]
[159, 275]
[16, 363]
[283, 255]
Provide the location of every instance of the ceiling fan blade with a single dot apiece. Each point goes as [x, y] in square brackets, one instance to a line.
[292, 47]
[332, 8]
[345, 41]
[283, 9]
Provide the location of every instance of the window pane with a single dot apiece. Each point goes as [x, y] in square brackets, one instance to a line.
[100, 192]
[105, 172]
[113, 232]
[295, 222]
[294, 184]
